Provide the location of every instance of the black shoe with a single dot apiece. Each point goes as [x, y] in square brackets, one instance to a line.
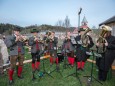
[11, 82]
[72, 66]
[34, 78]
[78, 69]
[102, 79]
[57, 68]
[20, 77]
[82, 69]
[37, 70]
[51, 65]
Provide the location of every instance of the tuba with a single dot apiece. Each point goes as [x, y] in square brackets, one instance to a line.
[85, 38]
[101, 40]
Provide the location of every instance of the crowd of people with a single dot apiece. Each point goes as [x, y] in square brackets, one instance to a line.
[47, 44]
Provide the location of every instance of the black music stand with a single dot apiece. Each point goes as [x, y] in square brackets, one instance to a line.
[44, 70]
[75, 74]
[57, 69]
[91, 75]
[65, 65]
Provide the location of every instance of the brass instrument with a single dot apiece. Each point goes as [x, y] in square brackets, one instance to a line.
[39, 38]
[48, 33]
[67, 37]
[85, 37]
[22, 38]
[49, 36]
[101, 40]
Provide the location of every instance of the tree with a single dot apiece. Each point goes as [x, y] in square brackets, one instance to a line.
[67, 22]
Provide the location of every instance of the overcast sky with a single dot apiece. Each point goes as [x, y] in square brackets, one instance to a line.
[29, 12]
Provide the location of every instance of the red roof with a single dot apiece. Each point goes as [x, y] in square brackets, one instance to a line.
[76, 29]
[84, 26]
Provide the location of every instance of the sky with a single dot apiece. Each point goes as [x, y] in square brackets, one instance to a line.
[31, 12]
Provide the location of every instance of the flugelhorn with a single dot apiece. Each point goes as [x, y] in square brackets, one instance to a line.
[39, 38]
[22, 38]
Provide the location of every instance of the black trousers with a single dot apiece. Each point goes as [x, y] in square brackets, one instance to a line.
[35, 57]
[102, 75]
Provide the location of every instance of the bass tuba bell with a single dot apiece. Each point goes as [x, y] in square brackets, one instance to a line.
[85, 38]
[101, 40]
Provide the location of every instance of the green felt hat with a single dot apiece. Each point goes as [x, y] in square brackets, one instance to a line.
[34, 30]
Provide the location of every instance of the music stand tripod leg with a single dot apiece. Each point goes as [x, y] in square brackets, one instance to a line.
[65, 65]
[57, 70]
[91, 75]
[76, 75]
[44, 71]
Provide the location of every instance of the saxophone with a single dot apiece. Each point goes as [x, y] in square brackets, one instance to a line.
[85, 38]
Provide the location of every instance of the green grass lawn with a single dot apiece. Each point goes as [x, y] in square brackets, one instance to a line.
[58, 80]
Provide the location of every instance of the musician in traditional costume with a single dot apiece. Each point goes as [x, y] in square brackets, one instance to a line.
[82, 48]
[52, 42]
[105, 47]
[36, 47]
[15, 44]
[68, 48]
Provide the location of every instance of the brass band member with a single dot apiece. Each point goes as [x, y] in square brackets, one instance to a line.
[51, 44]
[68, 48]
[81, 48]
[36, 46]
[16, 48]
[104, 63]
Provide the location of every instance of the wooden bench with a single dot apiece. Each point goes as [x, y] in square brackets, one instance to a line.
[89, 60]
[6, 66]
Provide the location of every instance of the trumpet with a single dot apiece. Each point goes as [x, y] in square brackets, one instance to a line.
[21, 38]
[51, 38]
[67, 37]
[39, 38]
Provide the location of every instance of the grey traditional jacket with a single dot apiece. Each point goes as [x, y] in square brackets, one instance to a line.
[32, 43]
[13, 46]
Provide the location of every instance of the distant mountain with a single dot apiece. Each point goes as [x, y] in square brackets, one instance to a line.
[7, 28]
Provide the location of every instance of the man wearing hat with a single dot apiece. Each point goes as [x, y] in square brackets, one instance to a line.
[81, 55]
[16, 52]
[104, 63]
[68, 48]
[36, 47]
